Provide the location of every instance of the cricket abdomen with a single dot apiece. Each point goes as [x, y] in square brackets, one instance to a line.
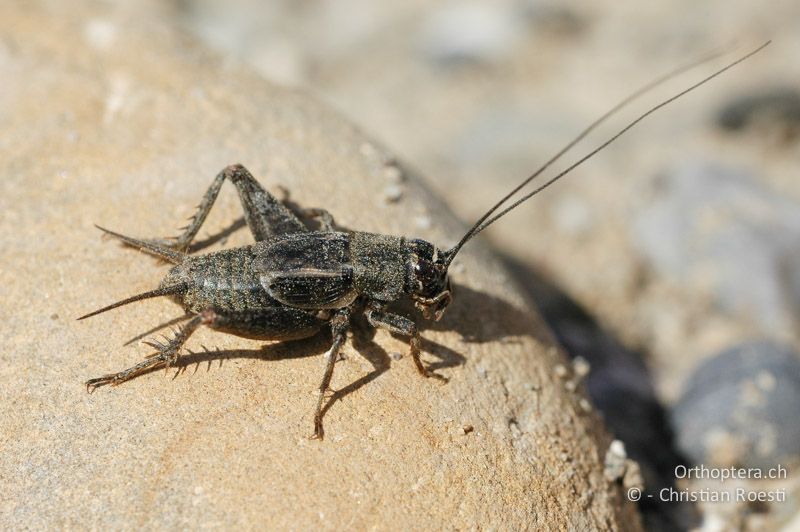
[223, 281]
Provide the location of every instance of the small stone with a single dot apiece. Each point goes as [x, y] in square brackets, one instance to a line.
[581, 367]
[615, 461]
[423, 222]
[392, 193]
[722, 232]
[554, 18]
[633, 475]
[776, 107]
[393, 173]
[585, 405]
[740, 407]
[467, 429]
[470, 31]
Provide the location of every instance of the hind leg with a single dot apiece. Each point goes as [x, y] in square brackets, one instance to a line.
[270, 323]
[166, 355]
[264, 214]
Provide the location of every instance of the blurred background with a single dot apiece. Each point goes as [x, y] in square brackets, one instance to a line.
[670, 262]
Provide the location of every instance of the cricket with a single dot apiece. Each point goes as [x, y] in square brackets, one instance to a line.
[296, 281]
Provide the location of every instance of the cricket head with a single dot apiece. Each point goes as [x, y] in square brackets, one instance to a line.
[428, 282]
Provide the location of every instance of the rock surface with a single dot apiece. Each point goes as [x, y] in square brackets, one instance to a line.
[109, 116]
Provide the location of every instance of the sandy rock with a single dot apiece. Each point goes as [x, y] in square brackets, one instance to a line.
[111, 117]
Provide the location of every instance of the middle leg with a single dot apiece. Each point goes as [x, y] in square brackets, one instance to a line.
[339, 325]
[323, 216]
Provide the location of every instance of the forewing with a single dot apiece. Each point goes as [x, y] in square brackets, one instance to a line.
[307, 270]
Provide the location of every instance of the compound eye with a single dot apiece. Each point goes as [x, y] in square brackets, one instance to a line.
[422, 248]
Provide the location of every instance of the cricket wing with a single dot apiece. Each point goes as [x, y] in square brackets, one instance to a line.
[307, 270]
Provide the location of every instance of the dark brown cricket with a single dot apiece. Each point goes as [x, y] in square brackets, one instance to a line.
[296, 280]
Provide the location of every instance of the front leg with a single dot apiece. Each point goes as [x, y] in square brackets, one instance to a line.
[339, 325]
[397, 324]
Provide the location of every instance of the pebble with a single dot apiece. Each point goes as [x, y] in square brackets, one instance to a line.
[615, 461]
[393, 173]
[392, 193]
[423, 222]
[580, 367]
[469, 31]
[722, 232]
[740, 407]
[585, 405]
[774, 107]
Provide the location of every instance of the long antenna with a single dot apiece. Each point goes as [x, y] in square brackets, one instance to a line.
[483, 223]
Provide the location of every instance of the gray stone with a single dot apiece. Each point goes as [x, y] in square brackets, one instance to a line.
[775, 107]
[740, 408]
[468, 31]
[717, 230]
